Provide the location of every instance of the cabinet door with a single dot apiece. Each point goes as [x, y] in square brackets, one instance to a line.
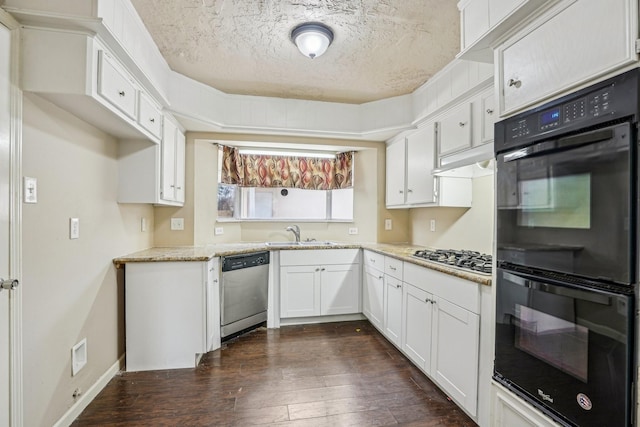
[115, 85]
[393, 310]
[213, 305]
[475, 21]
[150, 116]
[373, 296]
[340, 289]
[179, 170]
[168, 173]
[489, 116]
[455, 352]
[416, 328]
[420, 164]
[532, 71]
[395, 173]
[455, 130]
[299, 291]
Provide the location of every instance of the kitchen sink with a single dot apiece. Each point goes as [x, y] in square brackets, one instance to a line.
[305, 243]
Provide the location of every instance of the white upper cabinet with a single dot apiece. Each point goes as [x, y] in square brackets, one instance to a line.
[173, 163]
[483, 22]
[420, 164]
[396, 158]
[150, 115]
[455, 130]
[78, 73]
[572, 44]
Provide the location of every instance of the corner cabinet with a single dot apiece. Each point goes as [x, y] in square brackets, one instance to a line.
[172, 313]
[410, 182]
[319, 282]
[153, 173]
[558, 51]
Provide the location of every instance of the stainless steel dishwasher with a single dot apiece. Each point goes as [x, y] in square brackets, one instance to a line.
[243, 293]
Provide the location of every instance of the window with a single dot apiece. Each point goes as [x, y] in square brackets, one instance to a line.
[249, 202]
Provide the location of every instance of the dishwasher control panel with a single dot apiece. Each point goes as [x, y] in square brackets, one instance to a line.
[237, 262]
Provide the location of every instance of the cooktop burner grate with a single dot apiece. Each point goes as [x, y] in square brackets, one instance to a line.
[465, 260]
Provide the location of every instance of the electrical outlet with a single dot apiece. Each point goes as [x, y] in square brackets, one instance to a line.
[78, 356]
[143, 224]
[353, 230]
[388, 224]
[177, 223]
[74, 228]
[432, 225]
[218, 231]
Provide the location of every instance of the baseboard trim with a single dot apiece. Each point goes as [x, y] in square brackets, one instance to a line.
[87, 397]
[321, 319]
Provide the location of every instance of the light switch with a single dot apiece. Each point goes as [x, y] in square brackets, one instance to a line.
[387, 224]
[218, 231]
[432, 225]
[177, 223]
[74, 228]
[143, 224]
[353, 230]
[30, 190]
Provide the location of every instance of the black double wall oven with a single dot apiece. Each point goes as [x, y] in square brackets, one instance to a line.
[566, 216]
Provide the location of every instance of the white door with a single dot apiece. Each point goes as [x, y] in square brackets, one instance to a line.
[8, 305]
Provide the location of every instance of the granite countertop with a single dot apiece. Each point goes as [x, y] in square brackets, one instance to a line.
[205, 253]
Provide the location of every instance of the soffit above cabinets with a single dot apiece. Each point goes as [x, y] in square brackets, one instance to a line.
[381, 49]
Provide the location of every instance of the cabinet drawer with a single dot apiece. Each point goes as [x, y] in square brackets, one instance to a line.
[115, 85]
[393, 267]
[320, 257]
[373, 259]
[150, 117]
[458, 291]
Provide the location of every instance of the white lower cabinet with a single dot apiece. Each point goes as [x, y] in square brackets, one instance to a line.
[373, 296]
[455, 352]
[319, 282]
[393, 309]
[417, 320]
[172, 314]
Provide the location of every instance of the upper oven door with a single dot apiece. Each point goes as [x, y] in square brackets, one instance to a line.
[566, 205]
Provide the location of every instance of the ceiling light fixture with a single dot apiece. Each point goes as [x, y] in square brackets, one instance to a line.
[312, 38]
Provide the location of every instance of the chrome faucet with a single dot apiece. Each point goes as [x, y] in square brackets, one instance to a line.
[296, 231]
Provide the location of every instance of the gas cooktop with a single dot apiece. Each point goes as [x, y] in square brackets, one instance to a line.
[466, 260]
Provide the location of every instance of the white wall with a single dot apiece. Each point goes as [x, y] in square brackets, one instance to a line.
[458, 228]
[71, 290]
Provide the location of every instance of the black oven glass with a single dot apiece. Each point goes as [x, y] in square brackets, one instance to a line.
[564, 204]
[564, 348]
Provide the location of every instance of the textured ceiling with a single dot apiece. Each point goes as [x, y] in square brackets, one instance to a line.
[382, 48]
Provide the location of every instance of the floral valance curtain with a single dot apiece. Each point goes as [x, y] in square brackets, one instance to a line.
[250, 170]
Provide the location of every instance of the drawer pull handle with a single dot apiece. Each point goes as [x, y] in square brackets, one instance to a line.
[122, 93]
[514, 83]
[489, 111]
[317, 269]
[392, 268]
[322, 269]
[372, 260]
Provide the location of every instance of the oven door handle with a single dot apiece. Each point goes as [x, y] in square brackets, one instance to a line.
[561, 144]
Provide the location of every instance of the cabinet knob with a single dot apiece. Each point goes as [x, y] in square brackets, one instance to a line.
[398, 286]
[427, 300]
[317, 269]
[322, 269]
[514, 83]
[179, 188]
[392, 268]
[380, 277]
[489, 111]
[462, 124]
[372, 260]
[152, 120]
[8, 284]
[122, 93]
[400, 191]
[409, 191]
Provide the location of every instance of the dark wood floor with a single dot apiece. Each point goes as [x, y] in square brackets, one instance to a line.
[333, 374]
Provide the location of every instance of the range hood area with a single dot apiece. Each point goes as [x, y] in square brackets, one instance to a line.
[471, 163]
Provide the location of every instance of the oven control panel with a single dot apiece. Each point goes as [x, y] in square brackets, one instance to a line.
[612, 99]
[593, 105]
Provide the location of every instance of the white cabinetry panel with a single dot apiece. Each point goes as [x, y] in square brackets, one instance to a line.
[549, 57]
[417, 324]
[455, 130]
[396, 173]
[299, 291]
[455, 352]
[115, 85]
[373, 296]
[393, 310]
[420, 163]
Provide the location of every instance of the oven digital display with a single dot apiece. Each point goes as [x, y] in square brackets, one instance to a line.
[549, 117]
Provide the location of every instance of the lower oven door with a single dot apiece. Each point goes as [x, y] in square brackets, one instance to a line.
[565, 348]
